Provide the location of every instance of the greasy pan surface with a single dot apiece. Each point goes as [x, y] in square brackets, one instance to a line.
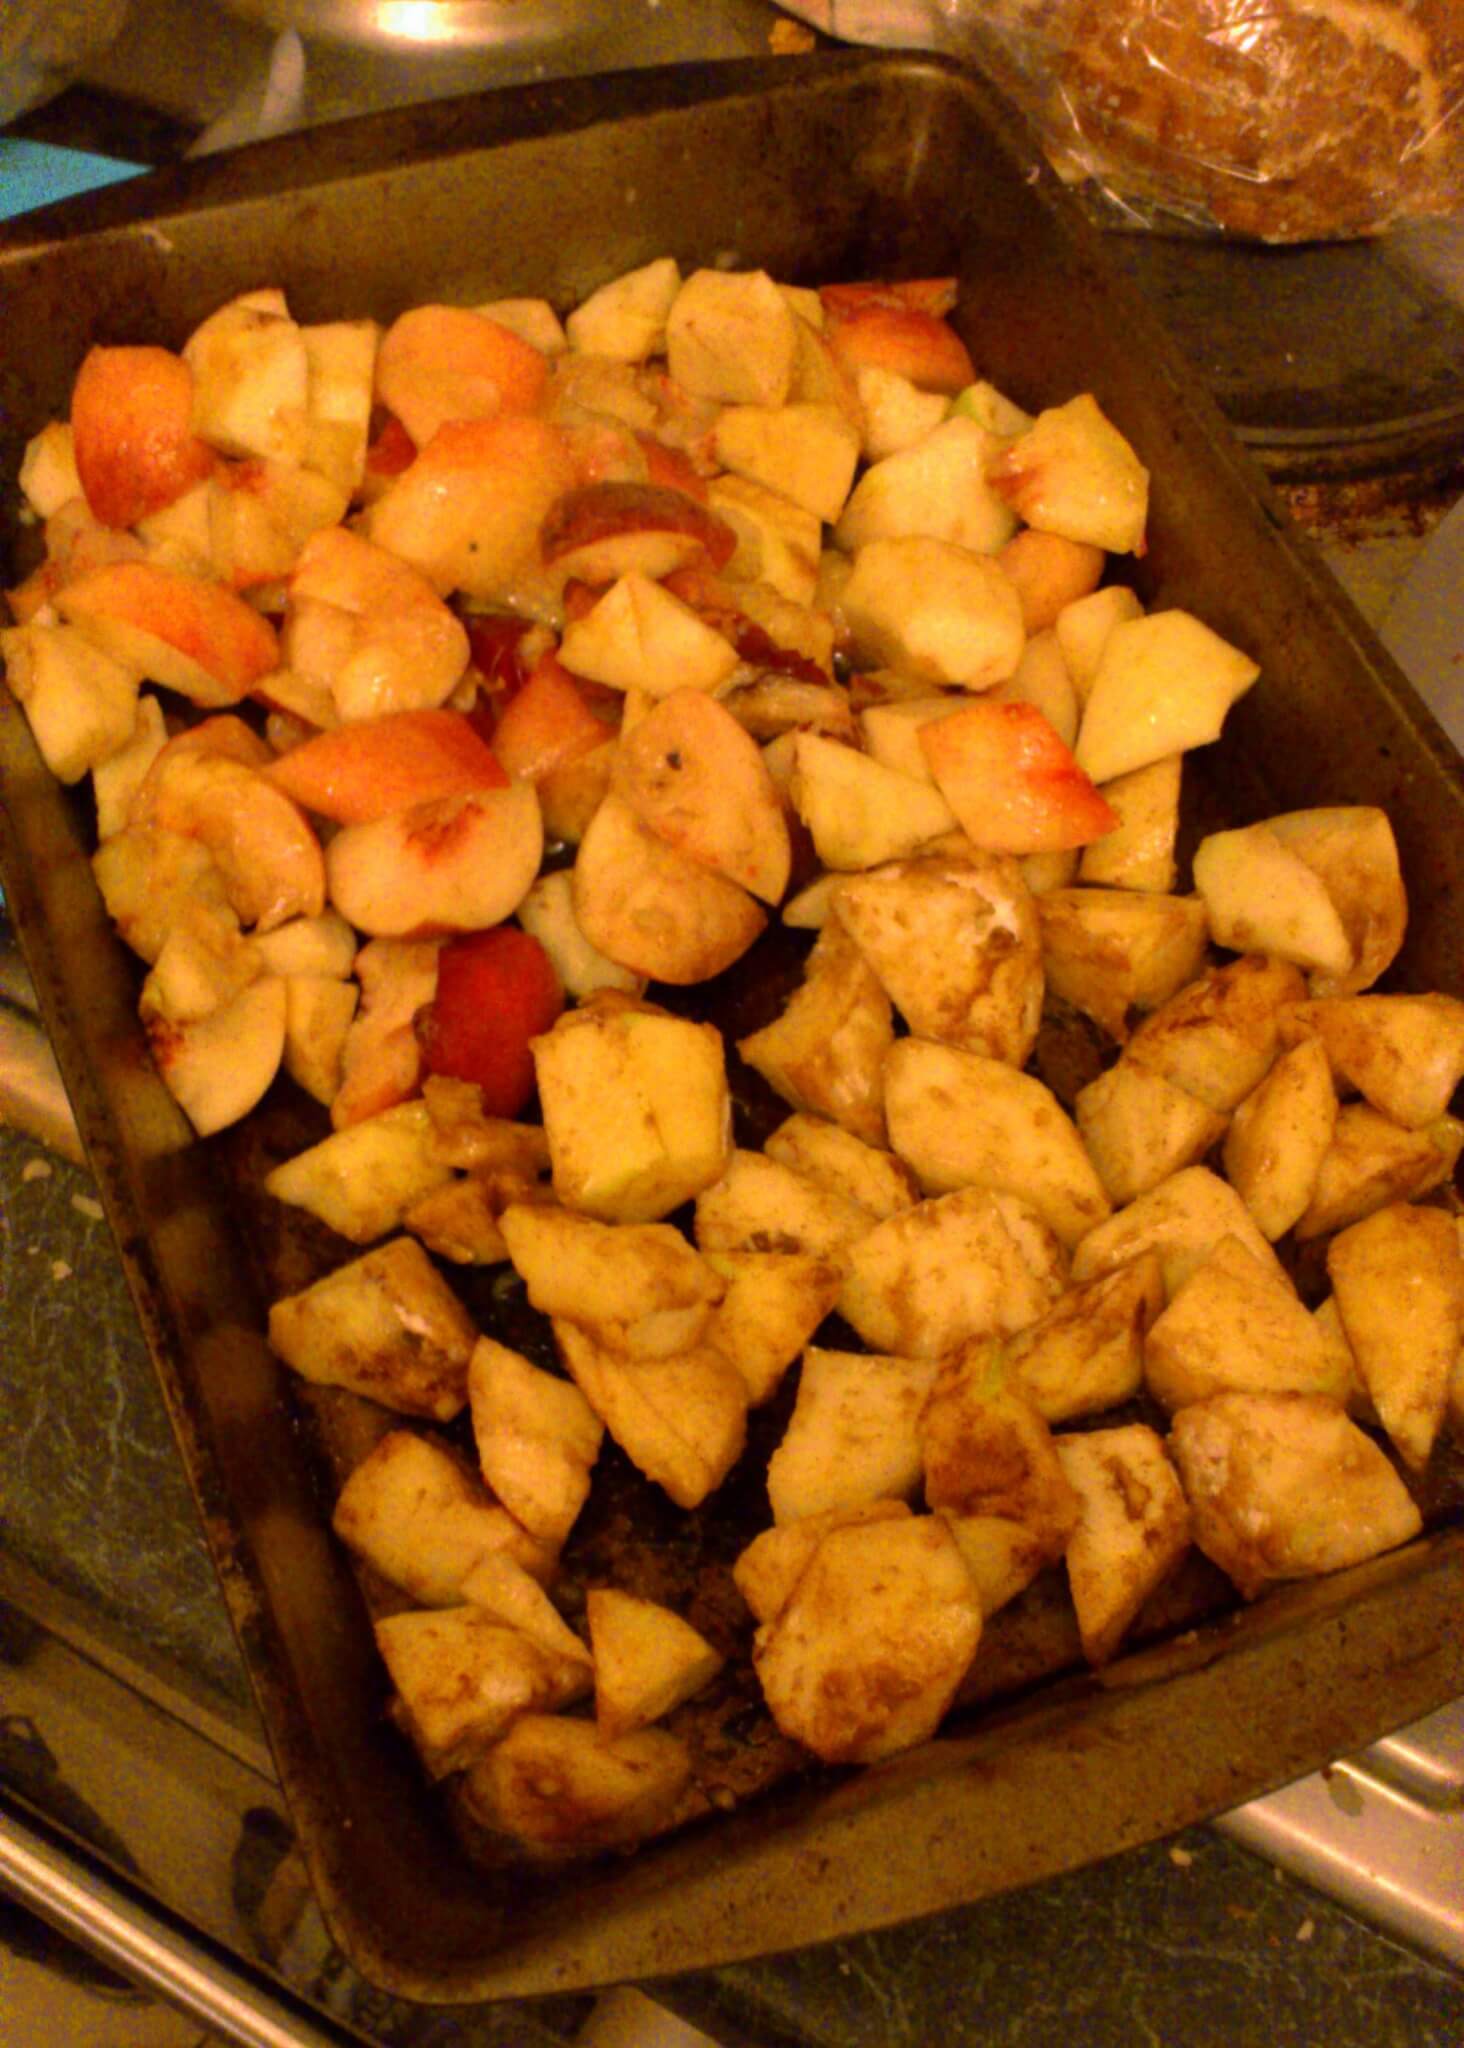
[842, 167]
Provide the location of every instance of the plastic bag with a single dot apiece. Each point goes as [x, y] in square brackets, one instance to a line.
[1282, 120]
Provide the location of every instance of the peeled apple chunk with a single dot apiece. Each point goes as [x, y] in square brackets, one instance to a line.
[1398, 1281]
[1163, 683]
[1285, 1486]
[1074, 474]
[935, 611]
[1262, 898]
[866, 1655]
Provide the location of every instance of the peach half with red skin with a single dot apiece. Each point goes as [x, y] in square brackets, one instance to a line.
[602, 531]
[193, 636]
[1012, 783]
[132, 431]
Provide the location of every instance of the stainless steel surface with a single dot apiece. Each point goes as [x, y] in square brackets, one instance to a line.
[121, 1930]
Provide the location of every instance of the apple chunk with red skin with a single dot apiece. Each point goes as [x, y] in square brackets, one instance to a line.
[602, 531]
[457, 864]
[1013, 785]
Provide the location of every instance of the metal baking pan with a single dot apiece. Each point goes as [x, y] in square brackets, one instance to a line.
[843, 166]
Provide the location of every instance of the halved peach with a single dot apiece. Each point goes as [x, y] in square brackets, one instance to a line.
[468, 511]
[442, 363]
[132, 431]
[217, 1067]
[603, 531]
[194, 637]
[268, 857]
[458, 864]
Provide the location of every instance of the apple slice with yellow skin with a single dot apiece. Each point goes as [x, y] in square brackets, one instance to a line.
[693, 776]
[217, 1067]
[639, 637]
[132, 432]
[468, 510]
[1013, 785]
[457, 864]
[599, 531]
[194, 637]
[652, 908]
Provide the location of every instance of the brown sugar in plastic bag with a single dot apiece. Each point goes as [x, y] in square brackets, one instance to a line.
[1279, 120]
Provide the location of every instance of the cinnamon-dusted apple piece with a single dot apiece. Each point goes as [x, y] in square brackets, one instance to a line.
[1235, 1326]
[1284, 1486]
[647, 1659]
[537, 1439]
[825, 1052]
[1133, 1527]
[854, 1433]
[463, 1678]
[1109, 952]
[387, 1326]
[1398, 1281]
[561, 1787]
[654, 909]
[682, 1420]
[1279, 1136]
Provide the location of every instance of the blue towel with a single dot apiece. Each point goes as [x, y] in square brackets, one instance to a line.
[35, 173]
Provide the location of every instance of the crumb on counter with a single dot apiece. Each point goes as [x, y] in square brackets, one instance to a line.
[87, 1205]
[1181, 1858]
[60, 1270]
[37, 1169]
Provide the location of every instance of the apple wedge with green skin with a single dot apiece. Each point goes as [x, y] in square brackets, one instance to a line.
[1012, 784]
[691, 774]
[600, 531]
[218, 1066]
[651, 908]
[456, 864]
[468, 510]
[194, 637]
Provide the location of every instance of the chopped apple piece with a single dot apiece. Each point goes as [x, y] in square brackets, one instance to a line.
[537, 1439]
[936, 487]
[760, 1205]
[808, 452]
[626, 318]
[1086, 1353]
[636, 1109]
[463, 1678]
[971, 1264]
[251, 378]
[118, 776]
[935, 611]
[505, 1590]
[319, 1011]
[1074, 474]
[1139, 1128]
[774, 1562]
[1139, 852]
[896, 411]
[654, 909]
[1183, 1220]
[1352, 850]
[681, 1421]
[1279, 1136]
[608, 1274]
[1256, 1469]
[1163, 683]
[853, 1436]
[1372, 1161]
[824, 1053]
[1262, 898]
[1398, 1281]
[987, 1451]
[418, 1515]
[860, 813]
[1404, 1054]
[560, 1787]
[640, 637]
[80, 703]
[48, 476]
[1133, 1528]
[954, 941]
[962, 1119]
[361, 1180]
[773, 1304]
[1218, 1035]
[386, 1326]
[778, 541]
[1083, 627]
[866, 1655]
[1235, 1326]
[1041, 679]
[647, 1659]
[731, 335]
[837, 1159]
[1011, 782]
[1002, 1556]
[264, 850]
